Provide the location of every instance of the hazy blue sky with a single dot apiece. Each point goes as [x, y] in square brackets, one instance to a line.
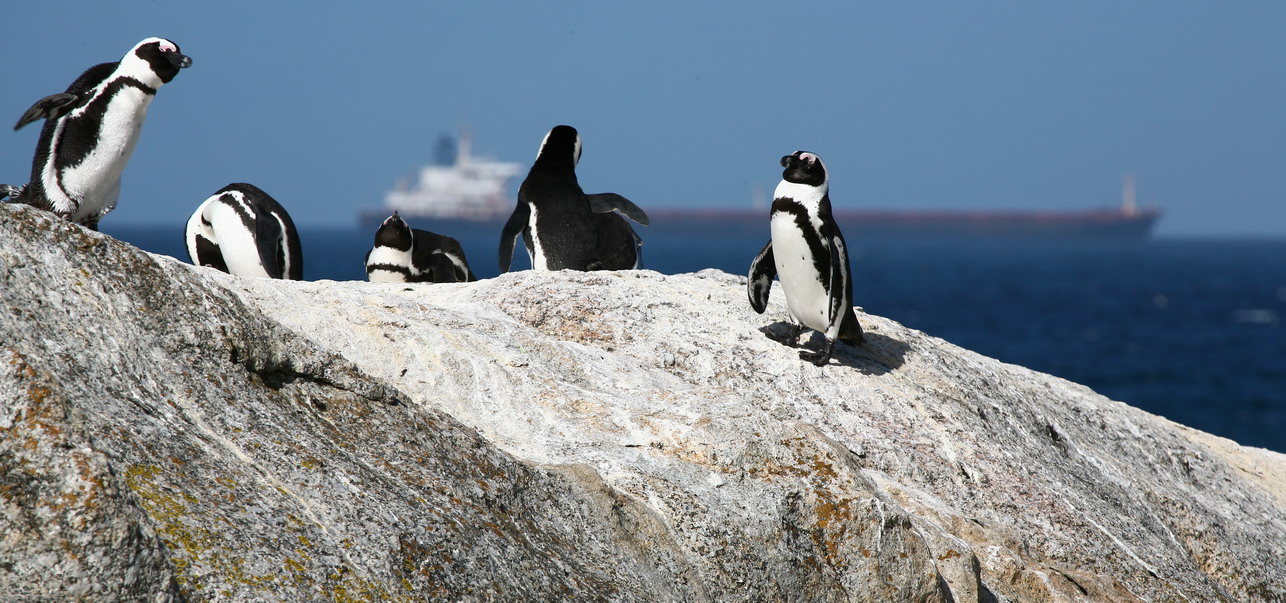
[912, 104]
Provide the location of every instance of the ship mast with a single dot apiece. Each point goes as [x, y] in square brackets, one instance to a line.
[1128, 205]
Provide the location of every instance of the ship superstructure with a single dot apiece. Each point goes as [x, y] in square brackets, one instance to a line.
[458, 186]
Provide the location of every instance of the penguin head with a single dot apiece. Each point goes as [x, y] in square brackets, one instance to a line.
[803, 167]
[560, 149]
[395, 233]
[155, 61]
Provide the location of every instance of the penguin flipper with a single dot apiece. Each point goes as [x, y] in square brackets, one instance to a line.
[601, 203]
[509, 234]
[271, 245]
[441, 270]
[54, 105]
[844, 321]
[762, 270]
[455, 253]
[208, 254]
[459, 267]
[835, 307]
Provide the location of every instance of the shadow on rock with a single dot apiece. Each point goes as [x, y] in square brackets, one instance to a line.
[877, 356]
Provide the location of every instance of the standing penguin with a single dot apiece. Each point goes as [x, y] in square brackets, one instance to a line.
[243, 231]
[90, 131]
[807, 253]
[562, 227]
[402, 254]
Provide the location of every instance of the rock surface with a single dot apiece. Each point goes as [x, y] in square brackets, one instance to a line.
[173, 432]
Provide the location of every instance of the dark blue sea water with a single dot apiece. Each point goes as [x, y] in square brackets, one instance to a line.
[1188, 329]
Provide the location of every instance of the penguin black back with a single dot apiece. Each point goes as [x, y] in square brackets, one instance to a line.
[562, 227]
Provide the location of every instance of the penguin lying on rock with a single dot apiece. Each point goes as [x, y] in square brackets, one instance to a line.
[562, 227]
[402, 254]
[243, 231]
[807, 253]
[90, 131]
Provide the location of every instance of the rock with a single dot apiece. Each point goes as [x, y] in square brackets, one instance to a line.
[173, 432]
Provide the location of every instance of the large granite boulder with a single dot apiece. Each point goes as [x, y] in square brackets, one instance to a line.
[172, 432]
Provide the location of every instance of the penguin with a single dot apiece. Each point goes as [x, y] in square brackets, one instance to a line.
[564, 228]
[90, 131]
[243, 231]
[402, 254]
[806, 252]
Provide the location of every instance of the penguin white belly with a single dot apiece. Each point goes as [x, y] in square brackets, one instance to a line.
[391, 257]
[537, 254]
[806, 295]
[385, 276]
[95, 181]
[236, 242]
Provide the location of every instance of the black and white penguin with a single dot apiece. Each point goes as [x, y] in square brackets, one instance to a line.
[90, 131]
[562, 227]
[402, 254]
[807, 254]
[243, 231]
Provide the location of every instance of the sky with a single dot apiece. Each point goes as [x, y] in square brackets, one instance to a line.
[912, 105]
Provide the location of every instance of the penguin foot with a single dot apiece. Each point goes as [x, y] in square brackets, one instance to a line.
[819, 358]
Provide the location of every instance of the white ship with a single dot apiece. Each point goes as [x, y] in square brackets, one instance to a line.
[458, 186]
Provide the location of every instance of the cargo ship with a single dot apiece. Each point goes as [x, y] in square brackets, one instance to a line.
[470, 192]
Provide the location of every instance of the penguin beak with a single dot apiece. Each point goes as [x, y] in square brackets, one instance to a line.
[181, 61]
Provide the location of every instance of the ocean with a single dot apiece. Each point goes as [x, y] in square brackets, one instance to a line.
[1191, 330]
